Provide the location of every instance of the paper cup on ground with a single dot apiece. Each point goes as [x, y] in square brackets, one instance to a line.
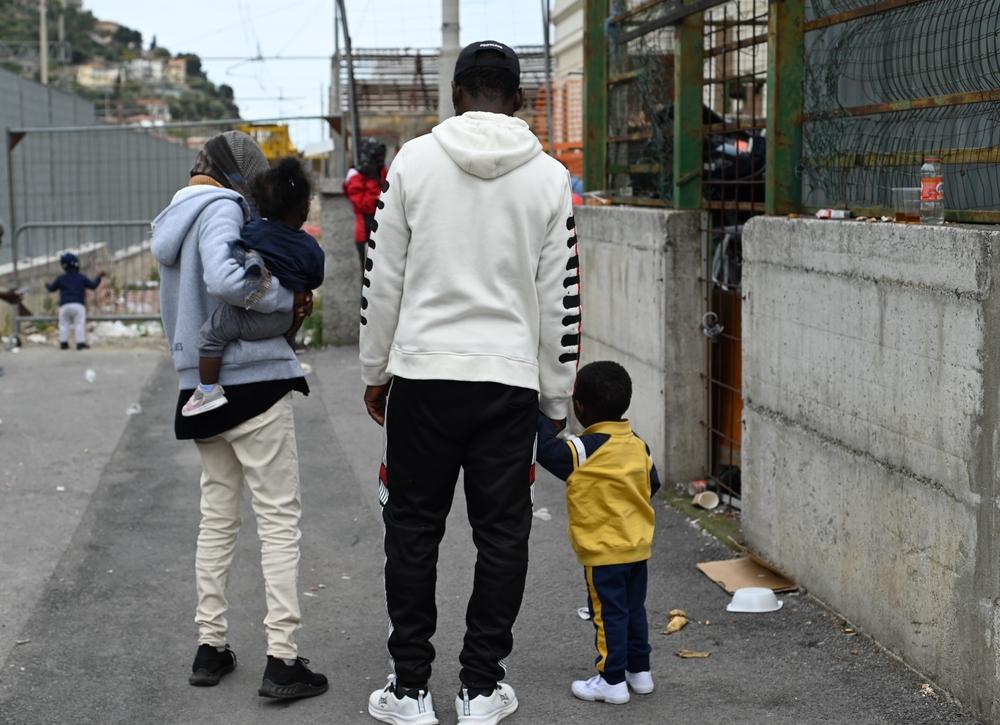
[708, 500]
[754, 599]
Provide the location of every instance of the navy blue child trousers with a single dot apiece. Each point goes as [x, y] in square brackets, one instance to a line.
[616, 596]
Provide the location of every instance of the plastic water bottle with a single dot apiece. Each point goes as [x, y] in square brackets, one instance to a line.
[932, 192]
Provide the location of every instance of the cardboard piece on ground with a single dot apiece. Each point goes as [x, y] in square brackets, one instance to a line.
[747, 571]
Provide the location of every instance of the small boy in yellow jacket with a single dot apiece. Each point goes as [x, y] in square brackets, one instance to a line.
[610, 479]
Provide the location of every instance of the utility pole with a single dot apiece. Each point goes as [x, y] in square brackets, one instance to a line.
[335, 106]
[449, 55]
[351, 91]
[549, 99]
[61, 54]
[43, 43]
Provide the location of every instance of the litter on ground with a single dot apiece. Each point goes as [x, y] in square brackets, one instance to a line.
[678, 620]
[542, 514]
[687, 654]
[747, 571]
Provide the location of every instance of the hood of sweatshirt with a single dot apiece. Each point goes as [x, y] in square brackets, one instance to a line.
[487, 145]
[172, 225]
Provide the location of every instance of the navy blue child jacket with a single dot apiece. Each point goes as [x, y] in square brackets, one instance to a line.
[73, 287]
[291, 255]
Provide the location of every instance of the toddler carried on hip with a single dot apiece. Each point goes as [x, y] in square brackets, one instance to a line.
[273, 247]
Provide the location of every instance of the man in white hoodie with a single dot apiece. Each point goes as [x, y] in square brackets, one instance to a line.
[471, 313]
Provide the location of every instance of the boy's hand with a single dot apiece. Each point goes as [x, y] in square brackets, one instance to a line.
[375, 397]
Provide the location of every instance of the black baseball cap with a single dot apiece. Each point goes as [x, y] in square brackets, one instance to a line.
[488, 54]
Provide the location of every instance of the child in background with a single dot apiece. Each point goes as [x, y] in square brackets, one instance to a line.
[72, 287]
[610, 480]
[273, 245]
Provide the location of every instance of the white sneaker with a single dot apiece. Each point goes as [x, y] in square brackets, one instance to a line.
[641, 683]
[383, 705]
[596, 690]
[485, 710]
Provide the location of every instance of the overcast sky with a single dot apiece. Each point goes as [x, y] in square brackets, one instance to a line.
[214, 28]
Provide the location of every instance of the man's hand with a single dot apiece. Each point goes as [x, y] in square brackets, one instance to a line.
[375, 397]
[303, 305]
[10, 296]
[559, 424]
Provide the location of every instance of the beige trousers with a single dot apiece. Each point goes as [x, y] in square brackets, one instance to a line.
[260, 453]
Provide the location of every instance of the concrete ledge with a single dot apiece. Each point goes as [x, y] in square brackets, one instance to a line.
[948, 259]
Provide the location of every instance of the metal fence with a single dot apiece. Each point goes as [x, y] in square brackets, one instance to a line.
[94, 190]
[889, 84]
[742, 107]
[681, 116]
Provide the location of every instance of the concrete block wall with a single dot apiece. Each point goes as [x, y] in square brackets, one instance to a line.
[872, 401]
[341, 290]
[642, 307]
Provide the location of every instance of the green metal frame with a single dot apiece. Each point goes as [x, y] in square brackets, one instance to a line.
[595, 94]
[689, 69]
[786, 58]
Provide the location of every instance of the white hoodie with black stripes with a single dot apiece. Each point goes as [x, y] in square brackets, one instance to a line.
[473, 267]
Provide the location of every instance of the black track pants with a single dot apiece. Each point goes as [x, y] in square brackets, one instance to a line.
[434, 428]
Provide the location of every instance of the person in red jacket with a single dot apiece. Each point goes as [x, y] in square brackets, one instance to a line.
[363, 186]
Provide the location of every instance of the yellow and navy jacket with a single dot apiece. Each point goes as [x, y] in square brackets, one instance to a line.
[610, 479]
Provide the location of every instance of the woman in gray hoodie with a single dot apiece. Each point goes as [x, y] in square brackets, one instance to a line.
[252, 439]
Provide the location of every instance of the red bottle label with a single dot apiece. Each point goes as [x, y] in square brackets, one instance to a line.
[932, 188]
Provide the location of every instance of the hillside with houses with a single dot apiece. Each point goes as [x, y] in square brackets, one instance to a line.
[129, 79]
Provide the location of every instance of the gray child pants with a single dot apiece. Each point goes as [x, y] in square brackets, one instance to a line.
[230, 323]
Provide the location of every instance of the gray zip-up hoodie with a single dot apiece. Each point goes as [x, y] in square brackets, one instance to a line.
[192, 241]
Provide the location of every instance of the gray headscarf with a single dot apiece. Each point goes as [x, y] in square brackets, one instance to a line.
[233, 159]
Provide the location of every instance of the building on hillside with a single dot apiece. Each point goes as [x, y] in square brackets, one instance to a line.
[155, 109]
[144, 70]
[104, 31]
[176, 71]
[97, 74]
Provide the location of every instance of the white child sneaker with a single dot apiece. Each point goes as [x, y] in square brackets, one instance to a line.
[384, 706]
[641, 683]
[486, 710]
[201, 402]
[597, 690]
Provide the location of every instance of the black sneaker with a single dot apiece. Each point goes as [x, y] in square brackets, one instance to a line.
[82, 346]
[210, 665]
[287, 682]
[64, 346]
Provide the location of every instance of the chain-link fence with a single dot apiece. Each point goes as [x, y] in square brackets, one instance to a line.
[93, 190]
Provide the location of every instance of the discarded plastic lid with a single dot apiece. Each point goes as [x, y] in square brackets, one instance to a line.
[754, 599]
[708, 500]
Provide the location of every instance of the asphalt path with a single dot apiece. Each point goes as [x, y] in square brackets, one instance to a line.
[107, 636]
